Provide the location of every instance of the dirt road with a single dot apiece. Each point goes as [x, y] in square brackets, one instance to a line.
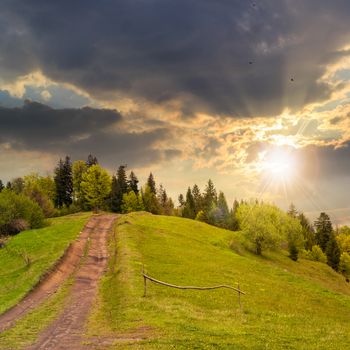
[66, 331]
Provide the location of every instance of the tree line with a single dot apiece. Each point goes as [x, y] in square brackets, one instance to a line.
[86, 185]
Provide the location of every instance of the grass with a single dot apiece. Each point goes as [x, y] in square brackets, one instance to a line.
[30, 254]
[289, 305]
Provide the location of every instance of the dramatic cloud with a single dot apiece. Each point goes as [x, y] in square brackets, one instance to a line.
[219, 57]
[37, 127]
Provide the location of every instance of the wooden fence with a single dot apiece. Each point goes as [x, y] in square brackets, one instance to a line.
[146, 277]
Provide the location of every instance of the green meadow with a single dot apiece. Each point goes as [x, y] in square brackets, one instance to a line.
[288, 305]
[30, 254]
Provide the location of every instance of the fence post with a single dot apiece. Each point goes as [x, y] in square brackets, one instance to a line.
[144, 282]
[239, 297]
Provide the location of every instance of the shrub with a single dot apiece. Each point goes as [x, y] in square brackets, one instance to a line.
[316, 254]
[18, 212]
[201, 216]
[344, 264]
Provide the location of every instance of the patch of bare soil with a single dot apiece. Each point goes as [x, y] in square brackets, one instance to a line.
[66, 332]
[51, 281]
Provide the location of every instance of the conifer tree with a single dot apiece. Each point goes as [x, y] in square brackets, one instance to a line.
[150, 201]
[133, 183]
[79, 168]
[181, 200]
[151, 183]
[324, 231]
[209, 198]
[64, 183]
[119, 188]
[223, 211]
[91, 160]
[308, 232]
[292, 211]
[189, 210]
[333, 253]
[9, 185]
[198, 199]
[1, 186]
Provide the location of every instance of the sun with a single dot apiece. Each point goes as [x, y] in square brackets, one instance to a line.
[279, 165]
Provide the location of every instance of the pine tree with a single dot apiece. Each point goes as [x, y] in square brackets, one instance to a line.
[181, 200]
[292, 211]
[209, 198]
[333, 253]
[9, 185]
[119, 188]
[133, 183]
[189, 210]
[79, 168]
[91, 160]
[64, 183]
[150, 201]
[1, 186]
[324, 231]
[198, 199]
[223, 211]
[151, 184]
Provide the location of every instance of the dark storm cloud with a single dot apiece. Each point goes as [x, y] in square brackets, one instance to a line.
[37, 127]
[221, 57]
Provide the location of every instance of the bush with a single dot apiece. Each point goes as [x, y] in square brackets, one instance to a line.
[201, 216]
[344, 264]
[316, 254]
[18, 212]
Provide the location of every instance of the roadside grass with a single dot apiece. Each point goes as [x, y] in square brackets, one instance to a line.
[289, 305]
[28, 328]
[30, 254]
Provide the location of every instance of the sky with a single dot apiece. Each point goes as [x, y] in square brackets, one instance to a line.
[254, 95]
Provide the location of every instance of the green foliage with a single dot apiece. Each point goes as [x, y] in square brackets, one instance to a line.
[262, 225]
[307, 231]
[189, 210]
[1, 186]
[316, 254]
[119, 188]
[91, 160]
[79, 168]
[151, 183]
[150, 201]
[18, 212]
[324, 231]
[96, 187]
[209, 196]
[132, 202]
[133, 183]
[333, 253]
[344, 264]
[64, 183]
[201, 216]
[343, 239]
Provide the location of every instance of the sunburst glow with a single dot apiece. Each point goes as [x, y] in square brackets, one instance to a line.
[280, 165]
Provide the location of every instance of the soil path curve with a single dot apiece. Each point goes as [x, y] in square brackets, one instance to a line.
[51, 282]
[66, 331]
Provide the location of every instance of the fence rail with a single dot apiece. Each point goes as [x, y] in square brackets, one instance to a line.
[146, 277]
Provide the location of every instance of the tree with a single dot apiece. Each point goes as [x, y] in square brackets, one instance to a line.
[96, 187]
[324, 231]
[316, 254]
[119, 188]
[343, 239]
[307, 231]
[17, 185]
[189, 210]
[344, 264]
[209, 196]
[79, 169]
[41, 190]
[64, 183]
[292, 230]
[9, 185]
[91, 160]
[198, 199]
[181, 200]
[151, 183]
[1, 186]
[132, 202]
[150, 201]
[292, 211]
[333, 253]
[133, 183]
[18, 212]
[223, 219]
[262, 225]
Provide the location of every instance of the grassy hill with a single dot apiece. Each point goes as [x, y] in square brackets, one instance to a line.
[289, 305]
[28, 255]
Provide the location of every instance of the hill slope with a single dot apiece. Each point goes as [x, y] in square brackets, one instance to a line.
[289, 305]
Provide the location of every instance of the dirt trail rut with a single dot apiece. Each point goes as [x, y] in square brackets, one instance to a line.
[49, 285]
[67, 330]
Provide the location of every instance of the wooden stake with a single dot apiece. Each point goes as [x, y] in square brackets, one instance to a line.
[144, 282]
